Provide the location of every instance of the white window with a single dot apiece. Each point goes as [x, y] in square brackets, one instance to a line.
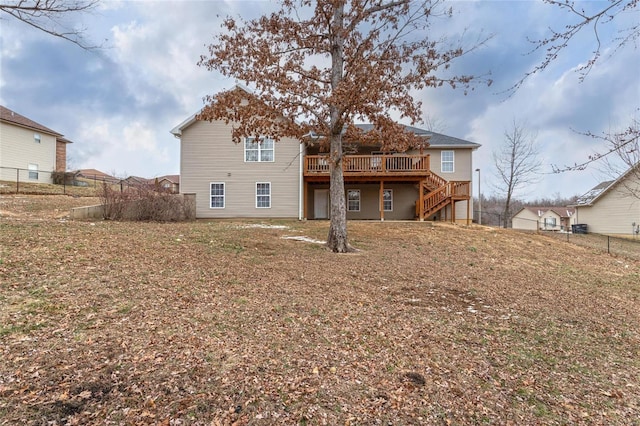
[263, 195]
[33, 171]
[258, 150]
[217, 195]
[353, 200]
[387, 200]
[549, 222]
[446, 162]
[36, 137]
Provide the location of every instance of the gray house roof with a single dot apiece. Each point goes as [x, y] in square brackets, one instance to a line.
[591, 196]
[436, 140]
[20, 120]
[563, 212]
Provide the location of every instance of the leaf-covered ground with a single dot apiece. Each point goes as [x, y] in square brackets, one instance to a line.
[227, 322]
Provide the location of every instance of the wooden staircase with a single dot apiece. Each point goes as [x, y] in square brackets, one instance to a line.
[436, 193]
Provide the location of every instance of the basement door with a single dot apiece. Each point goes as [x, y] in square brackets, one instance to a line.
[321, 204]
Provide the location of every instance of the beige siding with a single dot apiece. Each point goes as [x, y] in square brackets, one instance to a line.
[613, 213]
[462, 171]
[208, 155]
[444, 215]
[462, 166]
[525, 219]
[404, 199]
[549, 214]
[18, 149]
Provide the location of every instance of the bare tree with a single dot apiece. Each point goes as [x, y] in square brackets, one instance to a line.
[49, 16]
[595, 19]
[621, 153]
[434, 123]
[593, 16]
[318, 66]
[626, 145]
[517, 163]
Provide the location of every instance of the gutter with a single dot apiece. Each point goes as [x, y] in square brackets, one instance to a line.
[300, 184]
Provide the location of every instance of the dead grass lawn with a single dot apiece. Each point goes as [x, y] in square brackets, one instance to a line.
[218, 322]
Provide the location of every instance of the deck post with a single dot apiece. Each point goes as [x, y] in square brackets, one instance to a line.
[420, 189]
[468, 212]
[304, 199]
[381, 201]
[453, 210]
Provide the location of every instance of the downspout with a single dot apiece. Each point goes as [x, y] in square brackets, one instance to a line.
[300, 184]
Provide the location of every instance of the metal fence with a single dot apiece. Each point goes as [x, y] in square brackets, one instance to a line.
[15, 180]
[617, 245]
[29, 181]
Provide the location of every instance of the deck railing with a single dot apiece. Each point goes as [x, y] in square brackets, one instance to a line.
[370, 164]
[451, 191]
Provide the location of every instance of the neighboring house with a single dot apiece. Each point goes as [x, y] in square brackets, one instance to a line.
[612, 207]
[137, 181]
[168, 183]
[291, 179]
[29, 148]
[544, 218]
[96, 176]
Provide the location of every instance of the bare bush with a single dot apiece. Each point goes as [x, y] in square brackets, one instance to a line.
[144, 203]
[61, 178]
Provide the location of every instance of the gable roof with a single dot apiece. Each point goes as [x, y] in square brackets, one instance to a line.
[63, 140]
[96, 174]
[436, 140]
[170, 178]
[563, 212]
[595, 193]
[16, 119]
[177, 131]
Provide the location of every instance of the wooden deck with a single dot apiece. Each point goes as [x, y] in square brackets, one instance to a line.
[370, 165]
[435, 193]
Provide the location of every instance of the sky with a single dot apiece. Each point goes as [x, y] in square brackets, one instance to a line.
[118, 103]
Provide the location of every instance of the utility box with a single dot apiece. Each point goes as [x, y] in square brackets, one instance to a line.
[579, 228]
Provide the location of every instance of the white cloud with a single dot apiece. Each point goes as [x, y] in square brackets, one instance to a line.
[120, 108]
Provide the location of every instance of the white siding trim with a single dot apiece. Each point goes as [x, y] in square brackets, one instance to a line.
[453, 161]
[264, 195]
[224, 195]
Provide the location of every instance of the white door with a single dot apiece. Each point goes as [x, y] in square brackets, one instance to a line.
[321, 204]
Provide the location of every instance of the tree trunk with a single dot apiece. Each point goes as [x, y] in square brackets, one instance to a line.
[337, 238]
[505, 212]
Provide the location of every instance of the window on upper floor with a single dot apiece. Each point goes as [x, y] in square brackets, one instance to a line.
[37, 137]
[263, 195]
[261, 150]
[353, 200]
[447, 162]
[33, 171]
[217, 195]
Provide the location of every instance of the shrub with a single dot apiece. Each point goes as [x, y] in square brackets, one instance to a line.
[60, 178]
[143, 203]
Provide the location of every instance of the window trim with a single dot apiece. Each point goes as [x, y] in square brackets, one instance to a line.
[268, 196]
[359, 200]
[452, 161]
[259, 150]
[223, 196]
[391, 200]
[33, 171]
